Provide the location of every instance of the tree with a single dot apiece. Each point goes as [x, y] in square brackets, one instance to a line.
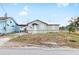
[73, 24]
[71, 28]
[62, 28]
[75, 21]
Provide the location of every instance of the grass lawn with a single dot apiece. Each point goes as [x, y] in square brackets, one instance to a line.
[61, 38]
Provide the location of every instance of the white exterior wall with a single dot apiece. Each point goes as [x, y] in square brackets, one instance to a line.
[41, 27]
[53, 28]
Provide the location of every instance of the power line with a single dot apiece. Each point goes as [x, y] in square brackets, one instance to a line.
[3, 8]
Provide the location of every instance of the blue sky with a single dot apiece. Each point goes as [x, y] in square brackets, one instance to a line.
[58, 13]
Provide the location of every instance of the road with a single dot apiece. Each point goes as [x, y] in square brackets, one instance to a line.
[38, 51]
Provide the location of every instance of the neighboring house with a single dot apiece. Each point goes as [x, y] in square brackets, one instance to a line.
[8, 25]
[38, 26]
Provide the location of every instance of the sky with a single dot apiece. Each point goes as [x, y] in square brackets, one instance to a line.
[55, 13]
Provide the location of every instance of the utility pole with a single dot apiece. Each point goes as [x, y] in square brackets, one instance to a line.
[5, 15]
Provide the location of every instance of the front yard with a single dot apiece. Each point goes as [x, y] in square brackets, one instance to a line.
[55, 39]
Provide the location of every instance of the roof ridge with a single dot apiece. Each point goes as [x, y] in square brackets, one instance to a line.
[37, 20]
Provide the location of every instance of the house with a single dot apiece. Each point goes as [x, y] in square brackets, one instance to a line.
[8, 25]
[38, 26]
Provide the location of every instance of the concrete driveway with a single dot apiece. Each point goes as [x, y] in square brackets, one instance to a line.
[7, 37]
[3, 40]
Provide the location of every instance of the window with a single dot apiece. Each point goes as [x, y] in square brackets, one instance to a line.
[7, 24]
[10, 21]
[12, 26]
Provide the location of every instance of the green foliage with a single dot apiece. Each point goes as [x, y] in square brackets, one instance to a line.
[62, 28]
[74, 23]
[71, 28]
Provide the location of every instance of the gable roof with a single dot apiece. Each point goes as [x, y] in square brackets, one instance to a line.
[13, 20]
[39, 21]
[44, 23]
[5, 18]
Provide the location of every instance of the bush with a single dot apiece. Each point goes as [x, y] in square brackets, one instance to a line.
[71, 28]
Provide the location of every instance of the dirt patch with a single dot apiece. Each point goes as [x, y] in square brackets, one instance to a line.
[60, 38]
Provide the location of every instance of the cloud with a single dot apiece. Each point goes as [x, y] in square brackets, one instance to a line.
[26, 8]
[23, 13]
[62, 4]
